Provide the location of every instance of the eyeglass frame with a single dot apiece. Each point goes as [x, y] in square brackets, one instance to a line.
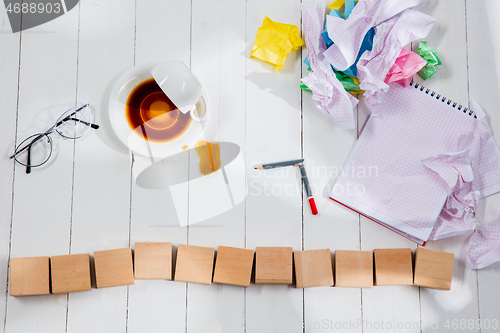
[47, 134]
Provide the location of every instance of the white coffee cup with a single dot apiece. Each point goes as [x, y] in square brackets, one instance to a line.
[182, 88]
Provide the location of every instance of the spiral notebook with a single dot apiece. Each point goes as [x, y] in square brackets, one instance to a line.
[385, 177]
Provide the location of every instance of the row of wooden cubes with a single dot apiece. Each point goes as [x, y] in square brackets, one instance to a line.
[195, 264]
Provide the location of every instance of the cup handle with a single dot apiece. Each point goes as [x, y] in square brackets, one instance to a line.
[201, 105]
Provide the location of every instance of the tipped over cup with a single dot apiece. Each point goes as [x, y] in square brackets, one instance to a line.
[180, 85]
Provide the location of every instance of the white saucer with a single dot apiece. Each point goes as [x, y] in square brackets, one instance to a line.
[116, 111]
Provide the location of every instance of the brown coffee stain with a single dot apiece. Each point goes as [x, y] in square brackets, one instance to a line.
[209, 154]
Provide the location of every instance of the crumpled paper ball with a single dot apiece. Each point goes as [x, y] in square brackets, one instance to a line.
[275, 41]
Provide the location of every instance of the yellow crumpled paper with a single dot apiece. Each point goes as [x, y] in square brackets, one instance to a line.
[337, 4]
[275, 41]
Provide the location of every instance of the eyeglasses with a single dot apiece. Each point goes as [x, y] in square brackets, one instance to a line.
[36, 150]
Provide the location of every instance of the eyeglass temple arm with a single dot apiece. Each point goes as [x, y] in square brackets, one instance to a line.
[71, 115]
[28, 167]
[28, 146]
[94, 126]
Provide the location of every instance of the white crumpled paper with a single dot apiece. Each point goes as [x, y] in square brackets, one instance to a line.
[347, 35]
[484, 246]
[457, 216]
[328, 93]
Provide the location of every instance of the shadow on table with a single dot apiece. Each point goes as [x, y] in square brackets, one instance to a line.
[105, 132]
[282, 84]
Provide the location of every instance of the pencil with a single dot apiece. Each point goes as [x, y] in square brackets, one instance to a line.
[279, 164]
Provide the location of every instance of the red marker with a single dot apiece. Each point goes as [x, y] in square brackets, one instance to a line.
[300, 164]
[310, 197]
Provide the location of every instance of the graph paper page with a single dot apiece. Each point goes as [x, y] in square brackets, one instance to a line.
[385, 179]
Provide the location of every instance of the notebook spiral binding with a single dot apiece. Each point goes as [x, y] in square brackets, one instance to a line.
[443, 99]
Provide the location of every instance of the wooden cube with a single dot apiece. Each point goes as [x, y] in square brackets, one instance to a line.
[273, 265]
[393, 267]
[194, 264]
[70, 273]
[433, 269]
[354, 269]
[233, 266]
[29, 276]
[114, 267]
[313, 268]
[153, 261]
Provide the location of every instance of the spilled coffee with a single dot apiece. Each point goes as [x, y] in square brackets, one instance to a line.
[152, 115]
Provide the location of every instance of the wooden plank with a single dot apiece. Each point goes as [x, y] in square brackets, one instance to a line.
[274, 207]
[448, 37]
[9, 58]
[402, 303]
[335, 227]
[218, 60]
[41, 221]
[101, 197]
[483, 38]
[162, 33]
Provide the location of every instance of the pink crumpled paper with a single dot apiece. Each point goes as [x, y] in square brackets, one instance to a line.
[328, 93]
[390, 38]
[407, 64]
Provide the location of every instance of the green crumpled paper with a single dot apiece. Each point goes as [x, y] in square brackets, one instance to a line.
[350, 84]
[275, 41]
[429, 55]
[304, 87]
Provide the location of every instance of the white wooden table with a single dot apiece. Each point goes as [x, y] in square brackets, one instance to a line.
[85, 200]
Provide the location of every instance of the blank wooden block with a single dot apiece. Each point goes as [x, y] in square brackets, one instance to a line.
[233, 266]
[153, 260]
[29, 276]
[393, 267]
[313, 268]
[273, 265]
[433, 269]
[354, 269]
[114, 267]
[194, 264]
[70, 273]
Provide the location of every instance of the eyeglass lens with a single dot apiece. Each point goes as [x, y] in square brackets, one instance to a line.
[34, 151]
[74, 123]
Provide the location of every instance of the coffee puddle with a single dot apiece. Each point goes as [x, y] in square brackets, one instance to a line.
[152, 115]
[209, 154]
